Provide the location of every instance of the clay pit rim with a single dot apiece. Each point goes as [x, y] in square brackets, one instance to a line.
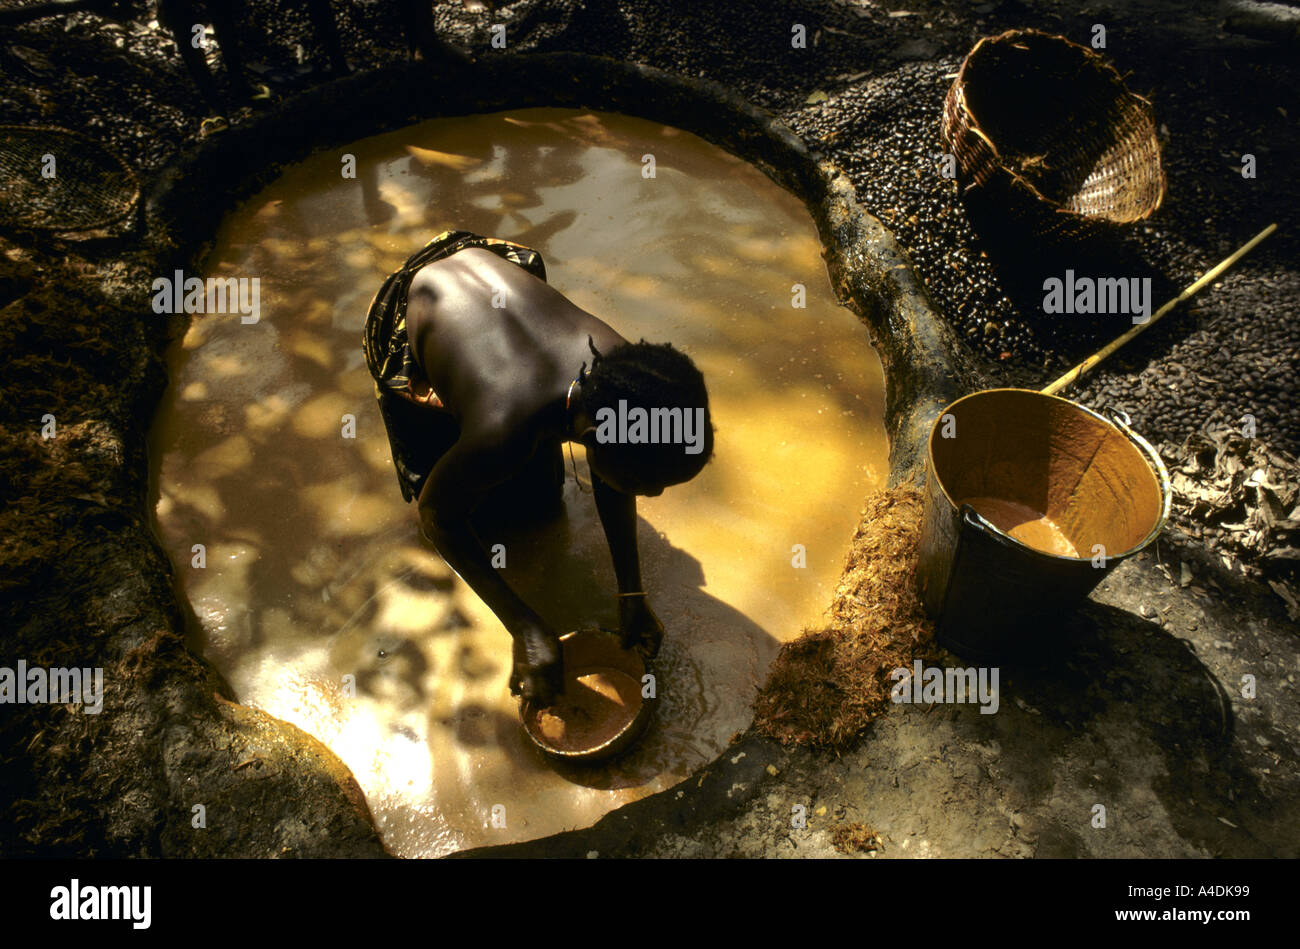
[926, 365]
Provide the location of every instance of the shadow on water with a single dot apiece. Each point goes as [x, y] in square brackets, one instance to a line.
[572, 593]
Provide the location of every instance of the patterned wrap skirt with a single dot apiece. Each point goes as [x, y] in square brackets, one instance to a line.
[405, 397]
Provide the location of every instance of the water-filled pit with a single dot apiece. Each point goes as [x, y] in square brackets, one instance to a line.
[314, 568]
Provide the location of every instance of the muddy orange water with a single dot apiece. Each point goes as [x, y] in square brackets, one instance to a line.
[318, 601]
[597, 705]
[1030, 527]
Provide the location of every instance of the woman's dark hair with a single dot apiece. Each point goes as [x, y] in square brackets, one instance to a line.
[650, 376]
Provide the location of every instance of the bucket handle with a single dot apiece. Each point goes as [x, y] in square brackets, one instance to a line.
[980, 523]
[968, 515]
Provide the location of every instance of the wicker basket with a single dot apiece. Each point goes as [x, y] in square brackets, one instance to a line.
[92, 186]
[1049, 129]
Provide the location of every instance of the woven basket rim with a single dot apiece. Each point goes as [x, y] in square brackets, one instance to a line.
[1093, 59]
[131, 178]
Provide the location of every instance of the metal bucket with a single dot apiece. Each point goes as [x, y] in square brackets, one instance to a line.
[995, 580]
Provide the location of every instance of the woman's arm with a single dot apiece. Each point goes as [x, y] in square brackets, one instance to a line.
[637, 622]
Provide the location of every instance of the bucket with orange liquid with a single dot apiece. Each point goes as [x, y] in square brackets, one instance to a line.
[1030, 501]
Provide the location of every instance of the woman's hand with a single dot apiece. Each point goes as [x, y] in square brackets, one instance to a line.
[639, 628]
[538, 671]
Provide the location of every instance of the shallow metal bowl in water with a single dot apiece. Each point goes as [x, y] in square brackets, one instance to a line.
[590, 652]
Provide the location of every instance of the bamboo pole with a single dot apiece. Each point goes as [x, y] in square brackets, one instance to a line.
[1073, 375]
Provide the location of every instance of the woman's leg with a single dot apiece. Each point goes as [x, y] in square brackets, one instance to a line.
[418, 436]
